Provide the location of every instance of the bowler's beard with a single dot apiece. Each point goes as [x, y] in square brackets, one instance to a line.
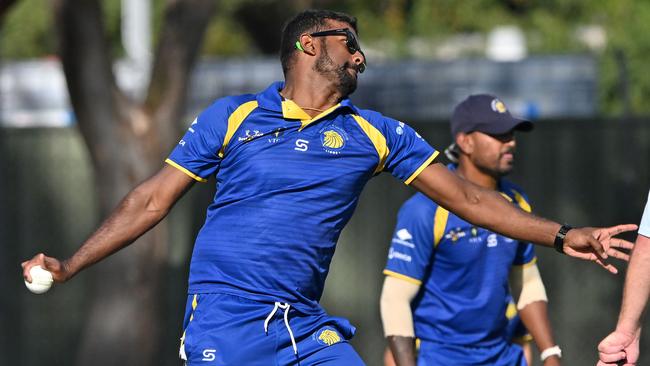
[345, 83]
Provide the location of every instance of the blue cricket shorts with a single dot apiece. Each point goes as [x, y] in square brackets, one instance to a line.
[225, 329]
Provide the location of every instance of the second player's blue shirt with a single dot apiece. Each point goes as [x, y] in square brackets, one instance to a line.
[286, 185]
[463, 271]
[644, 226]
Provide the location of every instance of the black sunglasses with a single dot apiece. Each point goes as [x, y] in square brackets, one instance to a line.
[350, 41]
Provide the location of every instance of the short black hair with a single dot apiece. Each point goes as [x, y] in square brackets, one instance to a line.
[308, 21]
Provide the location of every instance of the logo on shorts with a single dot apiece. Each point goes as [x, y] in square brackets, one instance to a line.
[209, 355]
[327, 336]
[333, 139]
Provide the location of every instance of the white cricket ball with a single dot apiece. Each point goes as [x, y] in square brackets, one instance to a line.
[41, 280]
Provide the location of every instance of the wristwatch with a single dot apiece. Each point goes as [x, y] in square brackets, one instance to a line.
[559, 238]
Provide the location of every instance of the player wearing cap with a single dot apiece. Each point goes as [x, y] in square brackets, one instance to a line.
[446, 279]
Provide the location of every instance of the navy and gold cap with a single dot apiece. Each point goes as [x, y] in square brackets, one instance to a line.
[485, 113]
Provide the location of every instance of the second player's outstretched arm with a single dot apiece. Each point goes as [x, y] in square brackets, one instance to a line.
[138, 212]
[623, 343]
[637, 286]
[487, 208]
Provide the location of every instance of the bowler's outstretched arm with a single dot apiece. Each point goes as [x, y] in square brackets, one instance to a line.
[487, 208]
[140, 210]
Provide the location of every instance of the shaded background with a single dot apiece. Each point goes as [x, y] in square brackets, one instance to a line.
[585, 164]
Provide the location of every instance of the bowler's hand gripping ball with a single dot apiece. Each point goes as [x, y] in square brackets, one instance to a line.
[41, 280]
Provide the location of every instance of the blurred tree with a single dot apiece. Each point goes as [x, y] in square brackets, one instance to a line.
[127, 141]
[4, 6]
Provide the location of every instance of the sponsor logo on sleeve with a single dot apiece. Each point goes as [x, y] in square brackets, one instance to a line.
[394, 254]
[403, 237]
[400, 129]
[196, 120]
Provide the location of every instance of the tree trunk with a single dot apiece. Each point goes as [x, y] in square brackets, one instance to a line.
[127, 143]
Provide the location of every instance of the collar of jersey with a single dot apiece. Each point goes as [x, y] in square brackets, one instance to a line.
[271, 99]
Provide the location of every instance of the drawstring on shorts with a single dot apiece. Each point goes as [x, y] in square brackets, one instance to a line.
[284, 306]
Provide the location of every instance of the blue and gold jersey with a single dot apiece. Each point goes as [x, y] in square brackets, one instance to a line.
[463, 271]
[515, 330]
[286, 185]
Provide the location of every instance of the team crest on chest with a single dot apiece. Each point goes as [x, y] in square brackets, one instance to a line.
[333, 139]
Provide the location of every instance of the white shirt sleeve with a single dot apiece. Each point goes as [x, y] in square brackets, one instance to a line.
[644, 227]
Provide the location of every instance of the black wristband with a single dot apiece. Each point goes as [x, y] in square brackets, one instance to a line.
[559, 238]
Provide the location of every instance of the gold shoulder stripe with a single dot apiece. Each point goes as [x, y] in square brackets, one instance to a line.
[421, 168]
[235, 120]
[377, 139]
[439, 225]
[506, 196]
[402, 277]
[511, 310]
[192, 175]
[521, 201]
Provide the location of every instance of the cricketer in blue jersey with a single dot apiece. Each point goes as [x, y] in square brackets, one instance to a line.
[458, 273]
[289, 165]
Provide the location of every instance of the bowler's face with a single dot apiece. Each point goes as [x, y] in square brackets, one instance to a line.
[335, 61]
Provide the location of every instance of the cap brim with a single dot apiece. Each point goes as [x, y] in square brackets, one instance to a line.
[503, 127]
[523, 125]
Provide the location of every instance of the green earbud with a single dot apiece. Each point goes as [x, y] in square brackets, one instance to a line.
[299, 47]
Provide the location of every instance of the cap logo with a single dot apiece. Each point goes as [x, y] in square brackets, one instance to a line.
[498, 106]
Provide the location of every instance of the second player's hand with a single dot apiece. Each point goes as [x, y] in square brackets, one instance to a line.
[619, 348]
[58, 269]
[597, 244]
